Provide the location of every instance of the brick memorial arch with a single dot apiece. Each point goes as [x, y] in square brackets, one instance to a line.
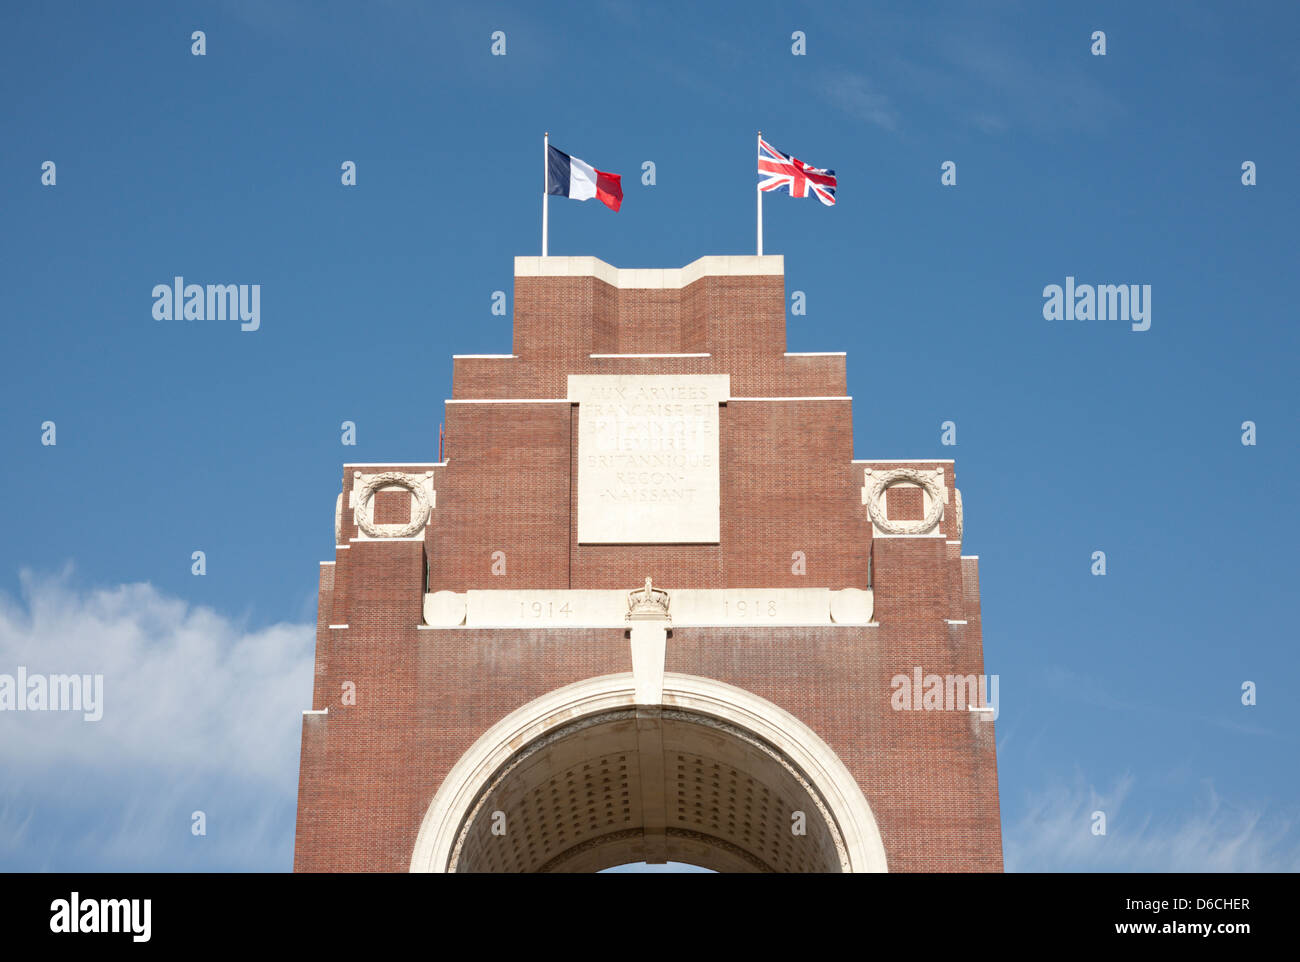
[649, 608]
[709, 775]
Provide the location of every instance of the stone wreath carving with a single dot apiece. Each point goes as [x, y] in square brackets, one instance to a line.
[338, 519]
[365, 500]
[878, 482]
[956, 494]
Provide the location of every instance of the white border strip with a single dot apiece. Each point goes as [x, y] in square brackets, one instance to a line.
[652, 278]
[559, 400]
[552, 626]
[903, 461]
[650, 355]
[827, 397]
[509, 400]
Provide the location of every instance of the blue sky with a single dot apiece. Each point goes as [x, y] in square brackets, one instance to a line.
[1119, 693]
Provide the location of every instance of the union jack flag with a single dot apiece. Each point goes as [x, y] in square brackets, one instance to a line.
[777, 170]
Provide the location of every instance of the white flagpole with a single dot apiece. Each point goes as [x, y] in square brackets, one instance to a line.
[758, 199]
[546, 183]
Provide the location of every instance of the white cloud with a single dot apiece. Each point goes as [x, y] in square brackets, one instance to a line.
[1054, 834]
[199, 714]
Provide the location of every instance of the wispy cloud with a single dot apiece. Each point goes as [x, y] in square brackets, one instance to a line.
[200, 714]
[1054, 834]
[1000, 85]
[987, 122]
[858, 97]
[1094, 692]
[967, 74]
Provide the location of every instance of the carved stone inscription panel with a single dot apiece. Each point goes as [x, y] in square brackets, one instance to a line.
[648, 457]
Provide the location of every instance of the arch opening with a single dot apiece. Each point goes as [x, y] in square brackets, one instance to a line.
[584, 779]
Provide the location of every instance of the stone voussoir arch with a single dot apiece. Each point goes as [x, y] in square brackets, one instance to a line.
[845, 805]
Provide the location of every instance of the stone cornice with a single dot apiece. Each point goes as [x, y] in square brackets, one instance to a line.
[651, 278]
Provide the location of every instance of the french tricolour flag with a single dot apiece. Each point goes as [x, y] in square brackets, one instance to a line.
[570, 177]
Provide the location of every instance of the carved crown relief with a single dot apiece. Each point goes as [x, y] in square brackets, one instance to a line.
[649, 603]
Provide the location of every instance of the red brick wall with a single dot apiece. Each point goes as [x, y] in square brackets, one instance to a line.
[904, 504]
[392, 507]
[506, 489]
[788, 485]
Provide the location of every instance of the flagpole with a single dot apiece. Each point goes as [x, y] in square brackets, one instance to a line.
[758, 200]
[546, 183]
